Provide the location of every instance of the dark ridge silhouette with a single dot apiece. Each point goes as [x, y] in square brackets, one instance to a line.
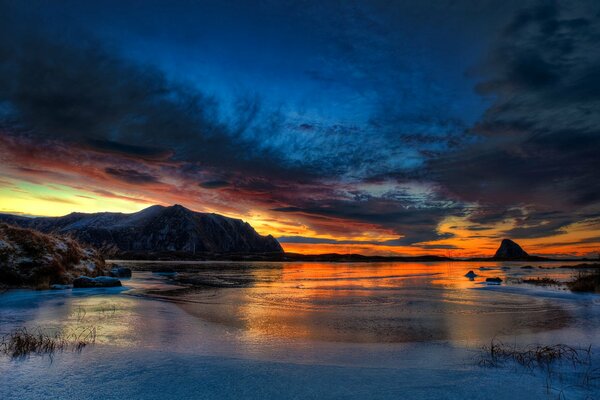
[177, 233]
[169, 231]
[510, 250]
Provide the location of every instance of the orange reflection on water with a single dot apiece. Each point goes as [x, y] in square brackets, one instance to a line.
[374, 302]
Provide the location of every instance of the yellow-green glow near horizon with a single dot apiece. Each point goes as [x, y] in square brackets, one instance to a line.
[56, 200]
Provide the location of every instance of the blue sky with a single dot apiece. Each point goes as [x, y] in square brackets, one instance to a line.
[342, 69]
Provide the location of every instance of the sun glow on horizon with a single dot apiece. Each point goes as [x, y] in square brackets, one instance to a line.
[31, 199]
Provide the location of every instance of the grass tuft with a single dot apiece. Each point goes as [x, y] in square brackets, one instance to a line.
[22, 342]
[534, 356]
[586, 281]
[542, 281]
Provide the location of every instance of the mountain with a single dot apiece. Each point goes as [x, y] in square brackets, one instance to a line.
[510, 250]
[156, 230]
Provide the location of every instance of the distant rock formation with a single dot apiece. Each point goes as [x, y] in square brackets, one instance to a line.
[32, 259]
[156, 230]
[510, 250]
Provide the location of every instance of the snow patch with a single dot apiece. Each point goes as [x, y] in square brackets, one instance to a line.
[87, 264]
[61, 246]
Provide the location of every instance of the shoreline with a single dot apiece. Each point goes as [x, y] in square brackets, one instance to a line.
[588, 262]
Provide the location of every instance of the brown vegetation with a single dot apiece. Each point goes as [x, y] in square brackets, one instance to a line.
[542, 281]
[586, 281]
[22, 342]
[533, 356]
[30, 258]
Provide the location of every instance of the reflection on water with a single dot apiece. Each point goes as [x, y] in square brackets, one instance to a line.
[326, 302]
[377, 302]
[117, 319]
[291, 330]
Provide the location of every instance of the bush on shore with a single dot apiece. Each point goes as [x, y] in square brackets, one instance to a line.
[586, 281]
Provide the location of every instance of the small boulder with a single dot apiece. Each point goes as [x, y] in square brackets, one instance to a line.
[471, 275]
[60, 287]
[493, 281]
[120, 272]
[166, 271]
[100, 281]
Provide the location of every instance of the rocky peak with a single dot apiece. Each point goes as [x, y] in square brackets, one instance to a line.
[510, 250]
[178, 208]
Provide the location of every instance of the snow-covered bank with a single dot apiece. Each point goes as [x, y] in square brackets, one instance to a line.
[120, 374]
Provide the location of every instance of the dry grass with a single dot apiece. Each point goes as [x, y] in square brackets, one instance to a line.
[586, 281]
[23, 342]
[582, 375]
[542, 281]
[33, 259]
[534, 356]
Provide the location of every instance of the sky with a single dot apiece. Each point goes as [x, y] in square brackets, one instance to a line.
[373, 127]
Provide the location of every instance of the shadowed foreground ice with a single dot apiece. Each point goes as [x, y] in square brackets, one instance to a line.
[277, 331]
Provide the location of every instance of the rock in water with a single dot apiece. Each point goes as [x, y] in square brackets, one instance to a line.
[56, 286]
[100, 281]
[165, 271]
[118, 271]
[471, 275]
[509, 250]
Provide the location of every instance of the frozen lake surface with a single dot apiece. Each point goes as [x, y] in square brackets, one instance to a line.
[306, 330]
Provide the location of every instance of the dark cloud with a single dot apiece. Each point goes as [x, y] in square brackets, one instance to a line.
[537, 145]
[71, 88]
[287, 209]
[590, 240]
[399, 242]
[313, 240]
[439, 247]
[412, 224]
[143, 152]
[65, 85]
[216, 184]
[539, 224]
[132, 176]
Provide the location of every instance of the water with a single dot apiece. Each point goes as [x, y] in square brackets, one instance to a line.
[413, 320]
[384, 302]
